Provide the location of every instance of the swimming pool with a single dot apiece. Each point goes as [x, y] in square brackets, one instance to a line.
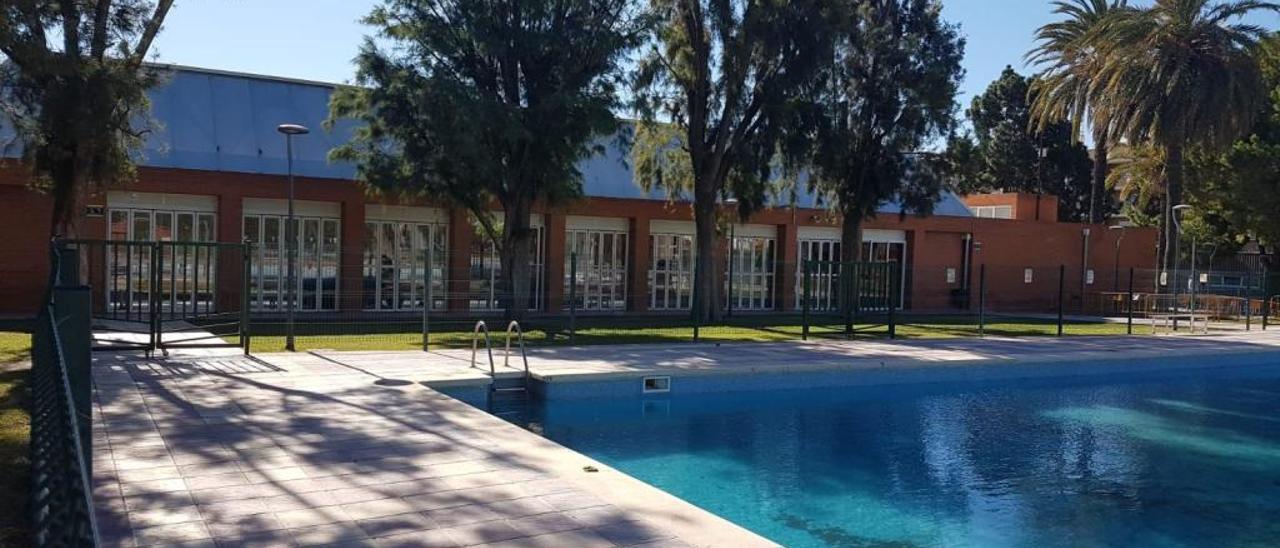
[1189, 459]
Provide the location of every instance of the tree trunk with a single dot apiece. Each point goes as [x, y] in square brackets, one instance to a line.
[516, 257]
[1098, 190]
[850, 253]
[706, 290]
[1173, 195]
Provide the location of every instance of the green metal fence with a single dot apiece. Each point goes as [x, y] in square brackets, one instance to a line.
[60, 504]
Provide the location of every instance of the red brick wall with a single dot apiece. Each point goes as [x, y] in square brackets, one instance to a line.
[934, 243]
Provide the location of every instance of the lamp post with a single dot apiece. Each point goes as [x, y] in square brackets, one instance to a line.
[733, 241]
[1177, 224]
[291, 234]
[1115, 274]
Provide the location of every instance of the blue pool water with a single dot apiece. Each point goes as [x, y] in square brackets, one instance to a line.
[1191, 460]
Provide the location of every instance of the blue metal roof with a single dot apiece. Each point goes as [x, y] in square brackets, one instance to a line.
[220, 121]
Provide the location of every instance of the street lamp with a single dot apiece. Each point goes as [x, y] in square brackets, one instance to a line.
[733, 242]
[1115, 275]
[291, 233]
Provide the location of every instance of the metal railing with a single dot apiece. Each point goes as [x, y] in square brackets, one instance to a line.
[60, 501]
[475, 339]
[506, 360]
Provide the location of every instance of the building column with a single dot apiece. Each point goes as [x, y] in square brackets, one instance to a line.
[908, 263]
[638, 265]
[556, 260]
[351, 254]
[786, 259]
[230, 265]
[458, 266]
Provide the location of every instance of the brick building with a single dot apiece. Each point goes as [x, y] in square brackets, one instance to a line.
[215, 171]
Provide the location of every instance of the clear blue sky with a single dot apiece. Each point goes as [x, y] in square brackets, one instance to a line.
[316, 39]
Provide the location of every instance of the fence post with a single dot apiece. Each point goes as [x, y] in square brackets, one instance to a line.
[1248, 303]
[1129, 309]
[426, 301]
[805, 268]
[1062, 289]
[72, 308]
[245, 302]
[847, 296]
[153, 304]
[890, 269]
[729, 306]
[982, 300]
[573, 294]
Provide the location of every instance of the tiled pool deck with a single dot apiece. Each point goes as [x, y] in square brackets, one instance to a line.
[332, 448]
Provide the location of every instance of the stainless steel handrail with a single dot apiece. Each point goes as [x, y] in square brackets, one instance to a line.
[480, 326]
[506, 360]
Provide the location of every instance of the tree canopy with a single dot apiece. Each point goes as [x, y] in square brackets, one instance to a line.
[888, 91]
[73, 84]
[477, 102]
[1010, 154]
[1178, 74]
[727, 76]
[1070, 67]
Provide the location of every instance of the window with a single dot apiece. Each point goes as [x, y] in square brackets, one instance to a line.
[822, 257]
[1028, 275]
[188, 273]
[993, 212]
[951, 274]
[485, 289]
[316, 264]
[394, 257]
[671, 272]
[749, 277]
[601, 282]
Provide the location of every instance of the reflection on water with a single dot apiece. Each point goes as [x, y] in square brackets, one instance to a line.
[1187, 461]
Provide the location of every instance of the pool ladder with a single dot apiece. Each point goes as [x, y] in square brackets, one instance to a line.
[494, 385]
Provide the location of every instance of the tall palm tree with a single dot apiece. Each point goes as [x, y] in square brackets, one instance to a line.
[1177, 74]
[1136, 175]
[1061, 91]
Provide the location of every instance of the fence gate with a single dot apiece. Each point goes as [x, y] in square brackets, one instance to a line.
[835, 296]
[160, 295]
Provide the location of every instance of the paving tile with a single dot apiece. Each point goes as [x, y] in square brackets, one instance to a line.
[564, 539]
[542, 524]
[352, 495]
[377, 508]
[264, 539]
[225, 527]
[153, 486]
[384, 526]
[196, 483]
[308, 517]
[322, 535]
[625, 533]
[165, 516]
[482, 533]
[227, 509]
[420, 539]
[150, 501]
[663, 543]
[598, 515]
[148, 474]
[464, 515]
[572, 500]
[171, 534]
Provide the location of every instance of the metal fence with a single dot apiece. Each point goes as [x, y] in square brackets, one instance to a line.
[160, 295]
[413, 298]
[60, 504]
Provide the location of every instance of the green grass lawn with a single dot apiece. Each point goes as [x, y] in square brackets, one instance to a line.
[15, 429]
[745, 329]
